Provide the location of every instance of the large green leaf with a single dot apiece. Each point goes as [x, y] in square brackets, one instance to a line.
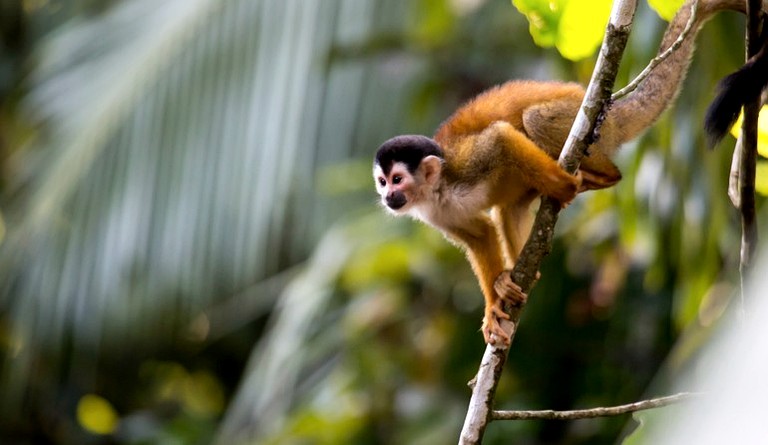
[574, 27]
[543, 18]
[582, 27]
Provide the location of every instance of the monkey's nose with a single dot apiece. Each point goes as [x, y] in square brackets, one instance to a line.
[396, 201]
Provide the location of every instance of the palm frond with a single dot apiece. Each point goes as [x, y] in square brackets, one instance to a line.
[175, 164]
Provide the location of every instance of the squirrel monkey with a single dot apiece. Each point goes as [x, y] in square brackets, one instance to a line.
[498, 151]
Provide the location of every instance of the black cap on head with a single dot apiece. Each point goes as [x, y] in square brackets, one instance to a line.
[409, 149]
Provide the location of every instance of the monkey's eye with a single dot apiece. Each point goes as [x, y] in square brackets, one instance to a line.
[397, 179]
[382, 182]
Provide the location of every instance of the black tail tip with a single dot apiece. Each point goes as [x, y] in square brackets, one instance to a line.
[717, 123]
[734, 91]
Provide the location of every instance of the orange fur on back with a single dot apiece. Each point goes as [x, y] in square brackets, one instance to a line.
[504, 102]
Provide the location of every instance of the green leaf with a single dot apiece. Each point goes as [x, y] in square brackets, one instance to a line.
[574, 27]
[582, 27]
[761, 180]
[762, 131]
[543, 18]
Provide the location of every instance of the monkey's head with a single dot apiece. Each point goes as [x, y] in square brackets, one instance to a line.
[405, 169]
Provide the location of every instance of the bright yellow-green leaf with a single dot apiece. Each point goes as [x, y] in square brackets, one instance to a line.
[575, 27]
[665, 8]
[582, 26]
[761, 181]
[762, 131]
[96, 415]
[543, 18]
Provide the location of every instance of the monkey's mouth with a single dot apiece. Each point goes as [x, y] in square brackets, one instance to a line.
[396, 202]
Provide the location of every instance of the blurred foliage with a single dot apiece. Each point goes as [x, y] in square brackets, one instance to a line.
[96, 415]
[191, 250]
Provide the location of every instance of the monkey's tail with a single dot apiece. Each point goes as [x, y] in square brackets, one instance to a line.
[735, 90]
[656, 92]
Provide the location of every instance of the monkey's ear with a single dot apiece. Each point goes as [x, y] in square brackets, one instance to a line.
[431, 166]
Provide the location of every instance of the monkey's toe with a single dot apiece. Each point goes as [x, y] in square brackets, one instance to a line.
[497, 310]
[493, 333]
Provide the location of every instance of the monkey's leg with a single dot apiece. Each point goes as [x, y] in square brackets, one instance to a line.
[485, 256]
[548, 125]
[523, 166]
[513, 223]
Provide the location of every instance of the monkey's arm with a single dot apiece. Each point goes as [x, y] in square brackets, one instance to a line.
[548, 125]
[482, 248]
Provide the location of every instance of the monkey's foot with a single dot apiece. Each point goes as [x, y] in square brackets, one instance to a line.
[508, 291]
[595, 180]
[493, 333]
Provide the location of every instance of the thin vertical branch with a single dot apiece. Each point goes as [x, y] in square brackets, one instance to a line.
[539, 244]
[748, 154]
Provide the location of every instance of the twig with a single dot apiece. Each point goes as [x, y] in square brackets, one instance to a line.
[660, 58]
[594, 412]
[539, 244]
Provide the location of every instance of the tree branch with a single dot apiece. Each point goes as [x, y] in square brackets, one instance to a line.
[539, 243]
[594, 412]
[748, 154]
